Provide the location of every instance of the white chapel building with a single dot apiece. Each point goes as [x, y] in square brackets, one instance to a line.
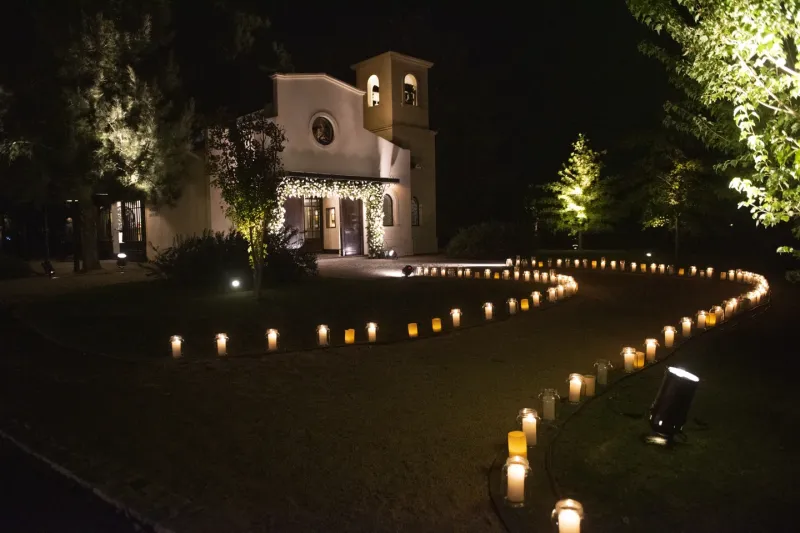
[373, 138]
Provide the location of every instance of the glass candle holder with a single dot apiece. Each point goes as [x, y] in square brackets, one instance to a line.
[549, 399]
[272, 340]
[731, 275]
[652, 268]
[509, 262]
[527, 420]
[487, 273]
[681, 272]
[650, 346]
[467, 272]
[594, 265]
[686, 326]
[488, 310]
[413, 330]
[176, 343]
[552, 295]
[515, 472]
[536, 298]
[709, 272]
[602, 263]
[575, 385]
[516, 275]
[719, 314]
[662, 268]
[372, 331]
[622, 265]
[456, 316]
[524, 304]
[517, 444]
[560, 291]
[426, 271]
[613, 265]
[701, 319]
[638, 360]
[506, 274]
[589, 381]
[577, 263]
[643, 268]
[222, 344]
[323, 335]
[434, 272]
[558, 263]
[460, 272]
[512, 306]
[567, 516]
[692, 270]
[545, 277]
[633, 266]
[628, 355]
[669, 336]
[436, 325]
[418, 271]
[526, 275]
[602, 367]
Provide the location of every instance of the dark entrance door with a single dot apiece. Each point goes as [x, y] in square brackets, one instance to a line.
[133, 234]
[312, 224]
[352, 227]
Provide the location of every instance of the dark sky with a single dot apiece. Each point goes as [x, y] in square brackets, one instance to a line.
[511, 87]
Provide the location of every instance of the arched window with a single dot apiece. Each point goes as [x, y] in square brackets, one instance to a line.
[373, 91]
[388, 210]
[414, 211]
[409, 90]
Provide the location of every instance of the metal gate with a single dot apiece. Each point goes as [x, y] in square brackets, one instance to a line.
[132, 231]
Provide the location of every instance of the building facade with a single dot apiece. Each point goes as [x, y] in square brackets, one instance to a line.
[359, 161]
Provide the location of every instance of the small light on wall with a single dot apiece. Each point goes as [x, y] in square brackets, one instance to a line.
[649, 254]
[527, 419]
[670, 409]
[512, 306]
[372, 331]
[524, 304]
[235, 283]
[549, 398]
[412, 330]
[628, 356]
[272, 340]
[222, 344]
[515, 471]
[456, 314]
[669, 336]
[686, 326]
[536, 296]
[589, 385]
[488, 310]
[650, 346]
[701, 319]
[567, 516]
[323, 335]
[349, 336]
[517, 444]
[176, 341]
[602, 366]
[436, 325]
[575, 385]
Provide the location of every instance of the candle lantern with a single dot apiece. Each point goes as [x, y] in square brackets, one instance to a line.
[413, 330]
[524, 304]
[549, 398]
[434, 272]
[512, 306]
[633, 266]
[602, 366]
[558, 263]
[652, 268]
[650, 346]
[526, 275]
[692, 270]
[594, 265]
[516, 261]
[349, 336]
[436, 325]
[702, 273]
[730, 308]
[670, 409]
[602, 263]
[460, 272]
[515, 471]
[638, 360]
[739, 275]
[560, 291]
[585, 263]
[589, 385]
[497, 275]
[509, 262]
[426, 271]
[686, 326]
[669, 336]
[662, 268]
[418, 271]
[527, 421]
[577, 263]
[536, 276]
[323, 335]
[372, 331]
[272, 340]
[709, 272]
[552, 295]
[477, 275]
[723, 275]
[732, 275]
[444, 272]
[643, 268]
[516, 275]
[613, 265]
[719, 314]
[506, 274]
[488, 310]
[622, 265]
[549, 262]
[541, 265]
[681, 272]
[517, 445]
[545, 277]
[176, 342]
[536, 296]
[567, 516]
[701, 319]
[222, 344]
[467, 272]
[575, 385]
[628, 355]
[487, 273]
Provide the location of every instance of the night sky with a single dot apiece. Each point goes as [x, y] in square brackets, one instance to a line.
[510, 88]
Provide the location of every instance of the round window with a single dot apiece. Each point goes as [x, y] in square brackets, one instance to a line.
[322, 130]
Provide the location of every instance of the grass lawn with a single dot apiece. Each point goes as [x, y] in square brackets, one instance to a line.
[391, 437]
[137, 319]
[737, 470]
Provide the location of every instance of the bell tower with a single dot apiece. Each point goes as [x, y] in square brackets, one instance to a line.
[396, 108]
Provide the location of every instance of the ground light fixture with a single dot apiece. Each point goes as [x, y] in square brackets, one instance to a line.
[48, 268]
[649, 254]
[122, 261]
[671, 407]
[527, 418]
[235, 283]
[515, 471]
[567, 516]
[407, 270]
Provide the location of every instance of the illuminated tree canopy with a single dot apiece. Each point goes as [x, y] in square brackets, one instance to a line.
[738, 65]
[577, 201]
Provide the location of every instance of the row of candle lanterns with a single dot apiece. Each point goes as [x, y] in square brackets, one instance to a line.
[568, 514]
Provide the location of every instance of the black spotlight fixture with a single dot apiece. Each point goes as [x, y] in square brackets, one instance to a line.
[407, 270]
[122, 261]
[671, 407]
[48, 268]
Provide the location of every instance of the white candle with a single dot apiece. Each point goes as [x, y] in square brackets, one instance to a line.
[551, 294]
[719, 313]
[516, 483]
[516, 275]
[176, 342]
[560, 291]
[272, 340]
[512, 306]
[322, 335]
[613, 265]
[692, 270]
[662, 268]
[544, 277]
[536, 276]
[535, 296]
[460, 272]
[529, 428]
[589, 382]
[526, 275]
[222, 344]
[602, 264]
[686, 327]
[575, 384]
[701, 320]
[650, 350]
[372, 331]
[709, 272]
[669, 336]
[456, 314]
[558, 263]
[569, 521]
[487, 311]
[549, 407]
[628, 355]
[487, 273]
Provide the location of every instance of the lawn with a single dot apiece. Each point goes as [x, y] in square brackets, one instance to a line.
[391, 437]
[137, 319]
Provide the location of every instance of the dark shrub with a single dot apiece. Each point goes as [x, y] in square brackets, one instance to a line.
[208, 260]
[489, 240]
[285, 260]
[12, 266]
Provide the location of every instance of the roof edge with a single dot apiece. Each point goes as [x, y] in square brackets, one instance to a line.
[319, 76]
[397, 55]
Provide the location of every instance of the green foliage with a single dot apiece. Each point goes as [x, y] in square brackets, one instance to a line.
[578, 201]
[738, 64]
[12, 267]
[207, 260]
[286, 261]
[488, 240]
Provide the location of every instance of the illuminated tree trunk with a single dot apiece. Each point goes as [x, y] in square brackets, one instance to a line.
[88, 230]
[257, 255]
